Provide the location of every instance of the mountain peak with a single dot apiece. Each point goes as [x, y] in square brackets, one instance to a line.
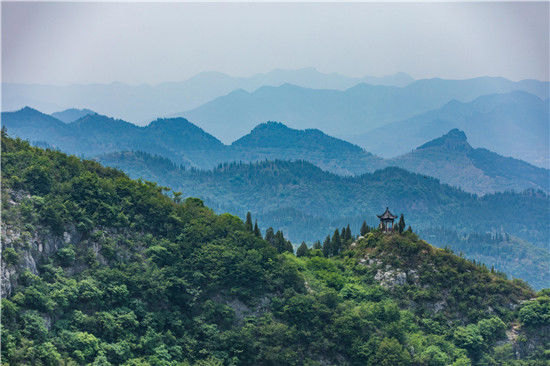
[278, 135]
[455, 139]
[27, 109]
[72, 114]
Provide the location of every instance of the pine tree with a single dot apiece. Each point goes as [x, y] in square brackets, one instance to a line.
[401, 224]
[302, 250]
[270, 236]
[364, 229]
[257, 231]
[327, 248]
[288, 247]
[336, 243]
[317, 245]
[348, 233]
[248, 223]
[409, 230]
[280, 241]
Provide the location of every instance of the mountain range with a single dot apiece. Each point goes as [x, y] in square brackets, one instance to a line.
[450, 158]
[513, 124]
[142, 103]
[353, 111]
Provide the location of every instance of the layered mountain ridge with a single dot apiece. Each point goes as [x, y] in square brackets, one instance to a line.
[513, 124]
[480, 171]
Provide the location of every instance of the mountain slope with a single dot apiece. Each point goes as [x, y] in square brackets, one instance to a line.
[350, 112]
[514, 124]
[452, 160]
[71, 114]
[94, 134]
[307, 202]
[102, 269]
[275, 141]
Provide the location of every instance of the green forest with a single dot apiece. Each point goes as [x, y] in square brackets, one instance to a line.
[102, 269]
[307, 202]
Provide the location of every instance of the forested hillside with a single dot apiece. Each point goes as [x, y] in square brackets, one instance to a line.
[98, 268]
[307, 202]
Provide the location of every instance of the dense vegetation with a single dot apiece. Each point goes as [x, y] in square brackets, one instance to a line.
[306, 203]
[503, 252]
[103, 269]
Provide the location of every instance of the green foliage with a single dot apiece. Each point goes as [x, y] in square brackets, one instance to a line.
[302, 250]
[536, 312]
[149, 280]
[10, 256]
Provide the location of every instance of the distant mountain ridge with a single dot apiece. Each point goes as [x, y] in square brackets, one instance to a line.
[95, 134]
[449, 158]
[513, 124]
[353, 111]
[71, 114]
[142, 103]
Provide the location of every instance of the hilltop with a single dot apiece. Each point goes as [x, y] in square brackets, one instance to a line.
[102, 269]
[72, 114]
[454, 161]
[276, 141]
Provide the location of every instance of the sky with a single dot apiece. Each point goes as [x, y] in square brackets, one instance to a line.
[64, 43]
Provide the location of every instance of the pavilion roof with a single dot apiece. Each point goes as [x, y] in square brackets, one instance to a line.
[387, 215]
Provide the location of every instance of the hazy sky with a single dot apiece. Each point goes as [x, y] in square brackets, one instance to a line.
[63, 43]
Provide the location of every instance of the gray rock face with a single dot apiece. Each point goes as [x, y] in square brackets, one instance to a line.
[29, 246]
[391, 278]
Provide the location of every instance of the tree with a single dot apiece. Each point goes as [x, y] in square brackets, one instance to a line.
[348, 233]
[281, 244]
[177, 196]
[317, 245]
[409, 230]
[401, 224]
[336, 243]
[257, 231]
[270, 235]
[302, 250]
[327, 247]
[248, 223]
[390, 353]
[492, 329]
[364, 229]
[470, 339]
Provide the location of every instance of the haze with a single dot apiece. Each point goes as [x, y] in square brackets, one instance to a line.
[62, 43]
